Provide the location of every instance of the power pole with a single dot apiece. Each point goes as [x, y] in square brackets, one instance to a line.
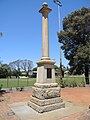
[59, 5]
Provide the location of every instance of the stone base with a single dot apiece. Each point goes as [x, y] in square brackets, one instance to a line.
[46, 97]
[46, 101]
[45, 93]
[46, 108]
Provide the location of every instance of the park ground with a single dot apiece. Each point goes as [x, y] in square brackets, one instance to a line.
[78, 96]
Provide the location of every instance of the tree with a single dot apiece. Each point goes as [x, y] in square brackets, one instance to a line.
[56, 67]
[4, 71]
[21, 65]
[26, 65]
[75, 39]
[34, 69]
[15, 66]
[0, 63]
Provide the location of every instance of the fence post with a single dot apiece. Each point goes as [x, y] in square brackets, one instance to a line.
[7, 82]
[74, 78]
[27, 82]
[18, 83]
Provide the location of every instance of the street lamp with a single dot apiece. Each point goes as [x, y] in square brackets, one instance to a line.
[59, 5]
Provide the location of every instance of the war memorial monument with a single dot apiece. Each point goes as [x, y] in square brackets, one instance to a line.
[46, 92]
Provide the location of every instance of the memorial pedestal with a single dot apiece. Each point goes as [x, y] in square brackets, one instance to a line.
[46, 97]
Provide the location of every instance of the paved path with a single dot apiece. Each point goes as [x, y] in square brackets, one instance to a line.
[24, 112]
[77, 96]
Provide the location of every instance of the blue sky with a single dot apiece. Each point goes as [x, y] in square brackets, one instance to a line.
[20, 23]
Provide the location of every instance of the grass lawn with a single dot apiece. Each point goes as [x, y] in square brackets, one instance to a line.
[72, 81]
[23, 82]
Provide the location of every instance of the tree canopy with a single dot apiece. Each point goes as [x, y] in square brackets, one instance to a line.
[1, 33]
[75, 39]
[21, 65]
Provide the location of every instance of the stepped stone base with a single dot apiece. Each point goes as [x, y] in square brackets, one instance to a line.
[46, 108]
[46, 97]
[46, 101]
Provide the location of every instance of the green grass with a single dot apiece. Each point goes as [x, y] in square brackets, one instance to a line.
[72, 81]
[9, 83]
[23, 82]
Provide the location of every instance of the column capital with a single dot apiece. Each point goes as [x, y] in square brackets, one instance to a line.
[45, 9]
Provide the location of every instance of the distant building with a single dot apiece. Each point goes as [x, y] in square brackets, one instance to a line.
[33, 74]
[66, 73]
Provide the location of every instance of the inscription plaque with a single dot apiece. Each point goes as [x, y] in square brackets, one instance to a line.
[49, 73]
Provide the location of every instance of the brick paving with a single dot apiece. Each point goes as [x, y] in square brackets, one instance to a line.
[9, 98]
[79, 96]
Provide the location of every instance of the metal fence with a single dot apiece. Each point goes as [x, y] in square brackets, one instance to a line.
[26, 82]
[72, 81]
[19, 82]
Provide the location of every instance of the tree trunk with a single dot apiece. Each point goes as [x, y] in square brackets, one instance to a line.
[87, 74]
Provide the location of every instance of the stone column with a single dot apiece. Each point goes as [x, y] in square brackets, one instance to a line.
[45, 39]
[46, 92]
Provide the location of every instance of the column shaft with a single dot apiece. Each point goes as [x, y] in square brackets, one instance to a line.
[45, 41]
